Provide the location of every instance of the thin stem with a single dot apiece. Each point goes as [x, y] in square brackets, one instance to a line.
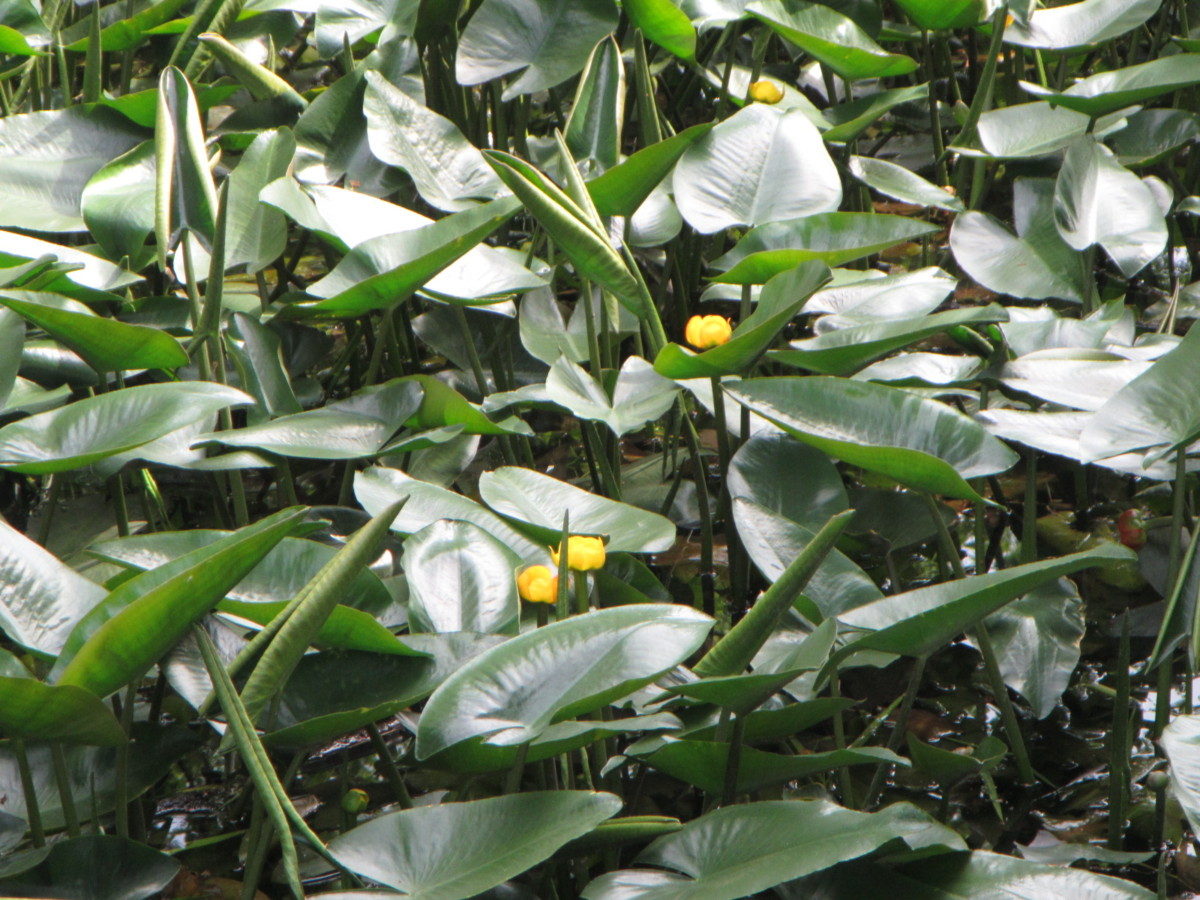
[845, 783]
[121, 811]
[61, 775]
[733, 760]
[390, 771]
[1118, 746]
[897, 735]
[582, 593]
[991, 666]
[33, 811]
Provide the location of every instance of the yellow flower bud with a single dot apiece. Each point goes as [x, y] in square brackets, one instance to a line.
[538, 584]
[766, 91]
[706, 332]
[583, 553]
[355, 800]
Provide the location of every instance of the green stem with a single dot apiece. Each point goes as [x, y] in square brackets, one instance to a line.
[991, 666]
[121, 811]
[1029, 548]
[258, 843]
[1118, 746]
[897, 735]
[390, 771]
[33, 811]
[845, 783]
[733, 761]
[582, 593]
[61, 775]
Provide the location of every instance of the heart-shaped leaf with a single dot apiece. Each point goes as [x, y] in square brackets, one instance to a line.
[514, 692]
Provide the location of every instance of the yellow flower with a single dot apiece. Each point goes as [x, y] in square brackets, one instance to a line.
[583, 553]
[706, 332]
[766, 91]
[538, 584]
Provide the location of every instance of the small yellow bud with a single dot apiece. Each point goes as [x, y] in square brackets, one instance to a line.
[538, 584]
[766, 91]
[706, 332]
[355, 800]
[583, 553]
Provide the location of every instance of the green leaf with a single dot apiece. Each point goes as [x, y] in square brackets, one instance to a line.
[846, 350]
[277, 579]
[41, 598]
[185, 196]
[781, 298]
[442, 406]
[549, 39]
[833, 238]
[257, 234]
[1107, 92]
[762, 471]
[332, 693]
[639, 395]
[852, 118]
[733, 652]
[939, 14]
[257, 354]
[624, 188]
[975, 874]
[1037, 642]
[98, 867]
[1038, 264]
[514, 692]
[527, 496]
[79, 275]
[918, 622]
[418, 851]
[920, 443]
[593, 129]
[1077, 24]
[137, 626]
[477, 756]
[46, 158]
[381, 272]
[460, 578]
[831, 38]
[291, 632]
[731, 175]
[12, 340]
[1027, 130]
[1099, 201]
[35, 711]
[260, 82]
[664, 23]
[1155, 410]
[118, 202]
[702, 764]
[773, 541]
[902, 184]
[1153, 134]
[448, 171]
[106, 344]
[357, 427]
[1181, 742]
[346, 628]
[752, 847]
[377, 488]
[1079, 379]
[89, 430]
[12, 42]
[590, 250]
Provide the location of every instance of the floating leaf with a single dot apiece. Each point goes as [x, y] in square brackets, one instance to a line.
[574, 666]
[731, 175]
